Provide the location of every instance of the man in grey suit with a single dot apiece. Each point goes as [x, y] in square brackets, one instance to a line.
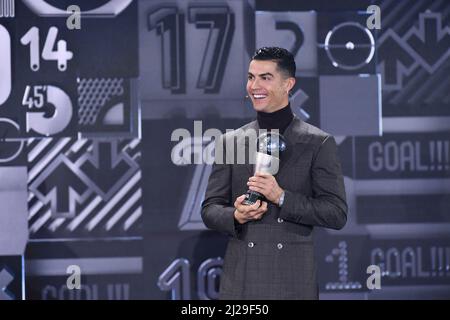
[270, 254]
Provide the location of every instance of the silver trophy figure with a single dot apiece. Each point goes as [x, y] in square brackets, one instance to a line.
[267, 160]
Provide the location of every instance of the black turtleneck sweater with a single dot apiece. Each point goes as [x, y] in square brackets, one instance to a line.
[279, 119]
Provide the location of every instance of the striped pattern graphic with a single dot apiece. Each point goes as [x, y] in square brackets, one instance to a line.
[94, 95]
[68, 173]
[7, 9]
[414, 48]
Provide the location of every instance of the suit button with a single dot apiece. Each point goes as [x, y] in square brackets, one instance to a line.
[251, 244]
[280, 246]
[280, 220]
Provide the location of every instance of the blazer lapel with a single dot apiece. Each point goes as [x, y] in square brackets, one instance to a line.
[295, 146]
[243, 145]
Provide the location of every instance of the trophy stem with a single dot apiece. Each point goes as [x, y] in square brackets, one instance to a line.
[252, 196]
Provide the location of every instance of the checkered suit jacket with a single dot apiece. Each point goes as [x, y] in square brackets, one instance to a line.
[273, 258]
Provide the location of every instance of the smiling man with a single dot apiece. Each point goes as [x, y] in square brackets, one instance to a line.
[270, 254]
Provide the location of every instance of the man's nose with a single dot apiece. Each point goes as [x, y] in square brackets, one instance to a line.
[254, 84]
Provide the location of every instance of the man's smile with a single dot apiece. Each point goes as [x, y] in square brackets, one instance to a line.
[259, 96]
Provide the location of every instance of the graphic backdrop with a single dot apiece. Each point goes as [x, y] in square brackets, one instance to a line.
[91, 174]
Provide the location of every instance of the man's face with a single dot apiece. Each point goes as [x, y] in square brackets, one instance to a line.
[267, 87]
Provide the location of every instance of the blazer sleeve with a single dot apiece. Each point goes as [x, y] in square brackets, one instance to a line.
[327, 207]
[217, 207]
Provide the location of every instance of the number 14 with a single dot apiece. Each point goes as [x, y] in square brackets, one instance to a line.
[61, 54]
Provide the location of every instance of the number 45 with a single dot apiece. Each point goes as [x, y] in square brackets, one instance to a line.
[36, 99]
[61, 55]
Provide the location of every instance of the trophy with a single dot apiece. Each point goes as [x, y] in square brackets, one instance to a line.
[267, 160]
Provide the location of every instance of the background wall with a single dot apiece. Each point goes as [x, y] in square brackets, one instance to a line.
[87, 176]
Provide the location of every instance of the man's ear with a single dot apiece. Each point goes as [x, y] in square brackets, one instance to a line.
[290, 83]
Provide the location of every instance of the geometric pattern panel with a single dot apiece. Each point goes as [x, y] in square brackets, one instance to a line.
[414, 58]
[84, 188]
[105, 105]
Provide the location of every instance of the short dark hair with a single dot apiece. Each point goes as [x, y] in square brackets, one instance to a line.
[283, 58]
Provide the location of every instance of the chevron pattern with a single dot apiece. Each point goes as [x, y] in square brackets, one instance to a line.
[117, 212]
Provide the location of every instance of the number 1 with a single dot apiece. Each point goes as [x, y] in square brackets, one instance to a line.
[32, 38]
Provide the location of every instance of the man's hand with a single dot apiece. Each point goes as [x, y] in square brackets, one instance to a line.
[266, 184]
[245, 213]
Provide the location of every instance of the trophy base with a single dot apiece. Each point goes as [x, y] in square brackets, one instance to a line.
[251, 197]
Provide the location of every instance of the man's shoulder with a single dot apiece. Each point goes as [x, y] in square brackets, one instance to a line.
[305, 132]
[309, 133]
[314, 131]
[246, 129]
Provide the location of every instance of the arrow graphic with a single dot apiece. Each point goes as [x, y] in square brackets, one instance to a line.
[107, 168]
[63, 186]
[395, 60]
[430, 41]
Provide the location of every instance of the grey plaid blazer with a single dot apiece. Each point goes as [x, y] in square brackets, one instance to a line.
[273, 258]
